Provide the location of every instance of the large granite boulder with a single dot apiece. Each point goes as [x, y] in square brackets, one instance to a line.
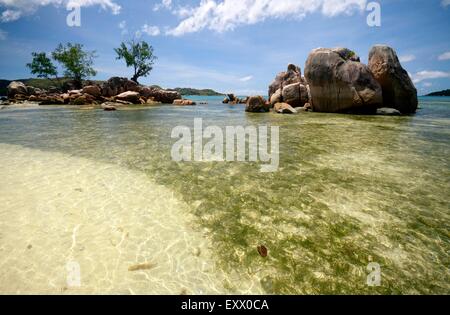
[115, 86]
[16, 88]
[289, 87]
[295, 94]
[93, 90]
[164, 96]
[292, 75]
[257, 104]
[339, 83]
[129, 96]
[398, 89]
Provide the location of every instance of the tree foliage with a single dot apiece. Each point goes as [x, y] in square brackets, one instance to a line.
[77, 63]
[138, 55]
[42, 66]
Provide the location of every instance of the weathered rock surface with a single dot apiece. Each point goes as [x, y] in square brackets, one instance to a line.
[129, 96]
[16, 88]
[292, 75]
[116, 85]
[164, 96]
[257, 104]
[339, 83]
[289, 87]
[93, 90]
[184, 102]
[398, 89]
[284, 108]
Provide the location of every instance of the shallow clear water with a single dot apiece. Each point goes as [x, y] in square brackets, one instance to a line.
[100, 188]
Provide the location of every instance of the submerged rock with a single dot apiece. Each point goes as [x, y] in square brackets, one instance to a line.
[257, 104]
[284, 108]
[388, 111]
[339, 83]
[184, 102]
[262, 250]
[398, 89]
[144, 266]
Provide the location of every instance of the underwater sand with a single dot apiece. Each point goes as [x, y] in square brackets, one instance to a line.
[101, 189]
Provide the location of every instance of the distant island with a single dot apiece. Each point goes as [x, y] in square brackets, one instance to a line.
[440, 93]
[47, 83]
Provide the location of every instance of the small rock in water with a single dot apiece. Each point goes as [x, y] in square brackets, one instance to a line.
[184, 292]
[262, 250]
[388, 112]
[30, 246]
[196, 252]
[79, 189]
[144, 266]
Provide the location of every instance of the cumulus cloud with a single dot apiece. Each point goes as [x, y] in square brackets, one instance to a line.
[3, 35]
[445, 3]
[149, 30]
[15, 9]
[226, 15]
[445, 56]
[429, 75]
[407, 58]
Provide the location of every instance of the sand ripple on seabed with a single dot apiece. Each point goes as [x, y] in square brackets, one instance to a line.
[56, 209]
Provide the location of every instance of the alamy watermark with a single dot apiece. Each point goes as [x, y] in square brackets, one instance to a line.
[374, 17]
[73, 274]
[191, 147]
[74, 17]
[374, 277]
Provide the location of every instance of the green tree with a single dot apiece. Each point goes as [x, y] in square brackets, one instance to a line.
[42, 66]
[138, 55]
[77, 63]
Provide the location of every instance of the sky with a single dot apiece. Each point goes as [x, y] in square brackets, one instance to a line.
[229, 45]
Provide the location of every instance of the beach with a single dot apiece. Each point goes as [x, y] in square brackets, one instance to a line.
[100, 189]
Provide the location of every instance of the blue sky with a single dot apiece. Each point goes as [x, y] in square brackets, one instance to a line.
[229, 45]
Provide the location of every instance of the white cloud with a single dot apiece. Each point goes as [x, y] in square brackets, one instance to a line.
[445, 56]
[407, 58]
[226, 15]
[15, 9]
[246, 79]
[150, 30]
[165, 4]
[123, 26]
[3, 35]
[445, 3]
[428, 75]
[427, 84]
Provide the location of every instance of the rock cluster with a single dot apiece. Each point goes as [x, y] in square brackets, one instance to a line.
[233, 100]
[116, 90]
[289, 87]
[336, 81]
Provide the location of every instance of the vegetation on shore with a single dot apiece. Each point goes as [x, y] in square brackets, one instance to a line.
[78, 66]
[202, 92]
[440, 93]
[46, 84]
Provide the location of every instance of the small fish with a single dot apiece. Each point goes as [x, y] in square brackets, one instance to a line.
[144, 266]
[262, 250]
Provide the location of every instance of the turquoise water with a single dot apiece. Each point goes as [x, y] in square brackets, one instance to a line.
[350, 190]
